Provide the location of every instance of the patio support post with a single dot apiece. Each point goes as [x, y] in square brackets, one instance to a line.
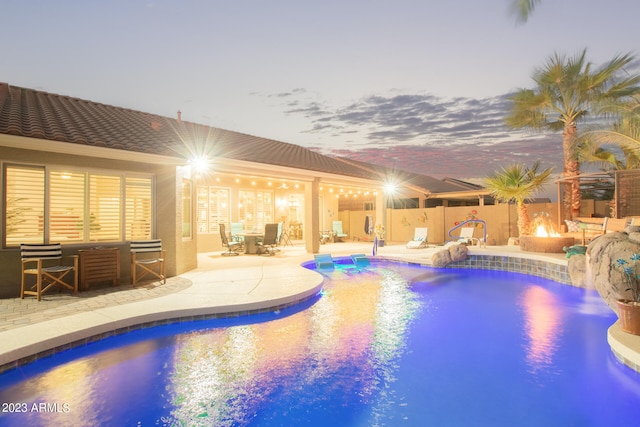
[381, 213]
[312, 216]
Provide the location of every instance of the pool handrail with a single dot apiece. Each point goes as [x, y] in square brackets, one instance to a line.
[463, 223]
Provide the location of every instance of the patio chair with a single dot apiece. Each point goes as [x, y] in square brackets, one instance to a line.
[233, 247]
[45, 262]
[285, 237]
[419, 238]
[147, 257]
[337, 230]
[466, 235]
[270, 240]
[279, 236]
[236, 229]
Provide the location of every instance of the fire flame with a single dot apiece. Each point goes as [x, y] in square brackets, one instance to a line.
[543, 231]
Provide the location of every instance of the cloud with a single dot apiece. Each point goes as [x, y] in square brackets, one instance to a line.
[294, 92]
[461, 161]
[408, 118]
[424, 133]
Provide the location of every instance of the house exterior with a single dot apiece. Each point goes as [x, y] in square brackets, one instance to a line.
[89, 175]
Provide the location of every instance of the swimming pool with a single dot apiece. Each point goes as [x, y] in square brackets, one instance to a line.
[389, 345]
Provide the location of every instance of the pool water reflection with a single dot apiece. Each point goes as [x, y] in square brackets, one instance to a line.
[391, 345]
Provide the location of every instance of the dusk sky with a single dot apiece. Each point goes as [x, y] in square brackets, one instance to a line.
[417, 85]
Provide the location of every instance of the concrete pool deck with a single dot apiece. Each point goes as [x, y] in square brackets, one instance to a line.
[219, 287]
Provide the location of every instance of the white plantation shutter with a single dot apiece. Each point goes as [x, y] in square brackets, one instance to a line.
[219, 212]
[212, 208]
[104, 208]
[43, 205]
[247, 209]
[24, 205]
[266, 207]
[66, 206]
[256, 209]
[138, 210]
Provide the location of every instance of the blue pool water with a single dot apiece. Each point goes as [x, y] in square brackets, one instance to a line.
[390, 345]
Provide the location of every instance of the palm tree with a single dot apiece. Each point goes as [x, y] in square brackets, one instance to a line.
[623, 133]
[567, 88]
[523, 8]
[517, 183]
[597, 147]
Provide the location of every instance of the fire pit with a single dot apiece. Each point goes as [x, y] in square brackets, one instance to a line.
[545, 238]
[550, 245]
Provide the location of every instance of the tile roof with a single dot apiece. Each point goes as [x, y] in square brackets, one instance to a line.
[37, 114]
[427, 183]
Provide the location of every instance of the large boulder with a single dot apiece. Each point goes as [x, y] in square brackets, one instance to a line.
[441, 258]
[603, 252]
[577, 268]
[452, 253]
[458, 252]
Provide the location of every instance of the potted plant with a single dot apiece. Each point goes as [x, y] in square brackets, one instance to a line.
[629, 309]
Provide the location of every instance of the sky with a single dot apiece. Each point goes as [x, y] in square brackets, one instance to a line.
[416, 85]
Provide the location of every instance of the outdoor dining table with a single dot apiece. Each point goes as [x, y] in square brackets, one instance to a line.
[250, 241]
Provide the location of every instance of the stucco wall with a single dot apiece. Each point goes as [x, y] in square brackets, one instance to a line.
[501, 220]
[181, 254]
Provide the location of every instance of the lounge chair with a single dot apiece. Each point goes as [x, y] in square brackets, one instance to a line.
[326, 236]
[419, 238]
[466, 235]
[338, 233]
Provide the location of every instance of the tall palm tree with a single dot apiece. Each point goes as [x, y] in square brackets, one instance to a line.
[567, 90]
[517, 183]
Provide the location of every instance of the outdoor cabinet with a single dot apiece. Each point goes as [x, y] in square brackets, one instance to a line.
[99, 265]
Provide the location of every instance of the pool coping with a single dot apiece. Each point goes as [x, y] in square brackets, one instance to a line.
[624, 346]
[262, 287]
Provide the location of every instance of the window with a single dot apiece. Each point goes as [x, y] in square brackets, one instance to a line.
[255, 209]
[105, 211]
[138, 208]
[67, 207]
[58, 205]
[212, 209]
[24, 205]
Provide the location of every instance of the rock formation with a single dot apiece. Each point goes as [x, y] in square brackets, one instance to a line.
[577, 269]
[453, 253]
[602, 253]
[458, 252]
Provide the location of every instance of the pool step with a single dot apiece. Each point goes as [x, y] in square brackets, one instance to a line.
[360, 260]
[324, 261]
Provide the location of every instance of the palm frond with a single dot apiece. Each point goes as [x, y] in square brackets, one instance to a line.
[516, 182]
[522, 9]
